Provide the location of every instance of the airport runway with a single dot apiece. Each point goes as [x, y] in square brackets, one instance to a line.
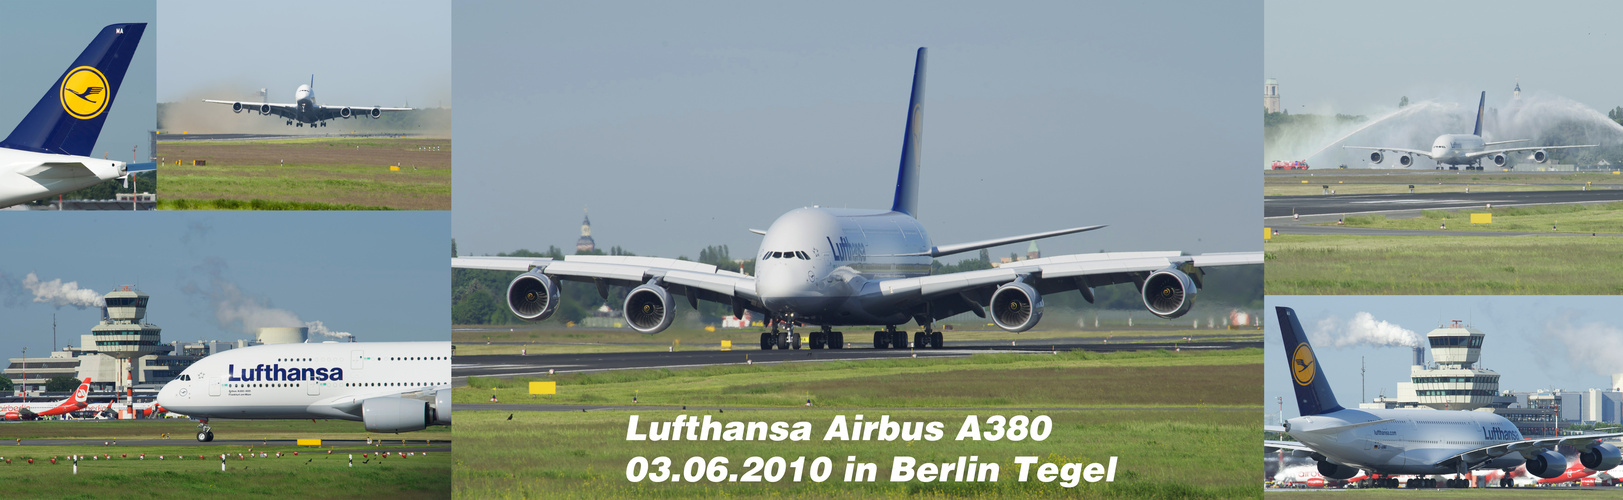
[506, 365]
[1347, 204]
[1309, 225]
[695, 408]
[263, 137]
[337, 446]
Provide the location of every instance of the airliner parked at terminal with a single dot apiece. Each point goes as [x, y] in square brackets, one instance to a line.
[391, 386]
[49, 151]
[1345, 441]
[35, 411]
[840, 267]
[1464, 149]
[304, 109]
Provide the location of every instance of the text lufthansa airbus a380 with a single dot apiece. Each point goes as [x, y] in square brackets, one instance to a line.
[1464, 149]
[391, 386]
[304, 110]
[1412, 441]
[49, 151]
[840, 267]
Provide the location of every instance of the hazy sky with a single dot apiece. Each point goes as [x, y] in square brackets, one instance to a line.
[1534, 342]
[1362, 57]
[379, 276]
[362, 53]
[39, 40]
[683, 125]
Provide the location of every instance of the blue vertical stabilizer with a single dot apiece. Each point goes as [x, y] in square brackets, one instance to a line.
[1313, 395]
[68, 119]
[907, 180]
[1480, 104]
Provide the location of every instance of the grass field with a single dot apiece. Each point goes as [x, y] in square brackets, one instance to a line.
[552, 340]
[1472, 493]
[307, 174]
[1397, 182]
[1442, 265]
[180, 474]
[1564, 218]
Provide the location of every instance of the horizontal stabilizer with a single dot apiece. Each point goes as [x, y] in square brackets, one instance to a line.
[977, 245]
[140, 167]
[62, 170]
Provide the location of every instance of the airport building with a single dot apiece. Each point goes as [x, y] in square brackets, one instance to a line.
[1270, 95]
[585, 243]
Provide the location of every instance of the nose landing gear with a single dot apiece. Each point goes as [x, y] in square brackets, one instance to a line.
[204, 432]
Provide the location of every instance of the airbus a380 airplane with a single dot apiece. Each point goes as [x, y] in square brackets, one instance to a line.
[391, 386]
[49, 151]
[35, 411]
[1412, 441]
[304, 109]
[1464, 149]
[837, 267]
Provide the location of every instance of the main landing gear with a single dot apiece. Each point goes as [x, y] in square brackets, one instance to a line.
[827, 339]
[784, 340]
[892, 339]
[204, 432]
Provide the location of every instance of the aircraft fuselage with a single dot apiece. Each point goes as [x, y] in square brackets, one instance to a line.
[1454, 149]
[25, 175]
[1411, 443]
[823, 266]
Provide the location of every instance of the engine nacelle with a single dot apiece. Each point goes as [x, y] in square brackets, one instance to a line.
[532, 296]
[1016, 307]
[1547, 464]
[236, 107]
[1376, 157]
[1168, 293]
[264, 109]
[376, 113]
[1539, 156]
[649, 309]
[1334, 470]
[344, 112]
[442, 407]
[1602, 457]
[395, 414]
[1405, 160]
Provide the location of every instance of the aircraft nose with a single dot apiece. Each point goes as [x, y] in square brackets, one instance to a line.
[775, 281]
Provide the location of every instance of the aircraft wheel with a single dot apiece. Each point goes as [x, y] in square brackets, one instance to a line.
[783, 341]
[202, 437]
[936, 339]
[766, 341]
[898, 340]
[879, 340]
[918, 339]
[795, 341]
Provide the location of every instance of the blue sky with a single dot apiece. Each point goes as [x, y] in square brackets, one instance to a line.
[682, 125]
[39, 40]
[1534, 342]
[379, 276]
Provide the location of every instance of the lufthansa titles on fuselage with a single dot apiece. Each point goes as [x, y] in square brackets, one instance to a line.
[275, 373]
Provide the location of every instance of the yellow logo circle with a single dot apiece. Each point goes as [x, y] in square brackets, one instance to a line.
[84, 93]
[1302, 364]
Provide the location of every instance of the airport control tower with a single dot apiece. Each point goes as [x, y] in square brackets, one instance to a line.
[1452, 382]
[121, 334]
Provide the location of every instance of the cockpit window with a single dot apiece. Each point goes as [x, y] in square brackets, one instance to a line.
[777, 254]
[802, 255]
[767, 256]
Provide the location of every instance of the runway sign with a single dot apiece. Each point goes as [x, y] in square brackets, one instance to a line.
[726, 345]
[1267, 234]
[309, 442]
[543, 387]
[1481, 218]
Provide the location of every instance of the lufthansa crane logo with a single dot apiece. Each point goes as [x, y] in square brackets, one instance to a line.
[1302, 364]
[84, 93]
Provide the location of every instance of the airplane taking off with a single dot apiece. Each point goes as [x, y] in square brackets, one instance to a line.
[49, 151]
[391, 386]
[1345, 441]
[36, 411]
[842, 267]
[1464, 149]
[304, 109]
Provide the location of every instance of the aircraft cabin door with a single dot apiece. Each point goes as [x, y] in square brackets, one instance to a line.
[214, 387]
[313, 388]
[355, 359]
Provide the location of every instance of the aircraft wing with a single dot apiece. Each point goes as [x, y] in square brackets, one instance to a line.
[698, 281]
[335, 112]
[283, 110]
[1526, 447]
[1415, 152]
[1062, 273]
[1491, 152]
[1291, 446]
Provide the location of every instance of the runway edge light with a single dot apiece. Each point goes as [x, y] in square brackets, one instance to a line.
[543, 387]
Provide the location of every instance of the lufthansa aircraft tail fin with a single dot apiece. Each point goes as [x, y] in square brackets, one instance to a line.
[907, 181]
[1313, 395]
[69, 118]
[1480, 103]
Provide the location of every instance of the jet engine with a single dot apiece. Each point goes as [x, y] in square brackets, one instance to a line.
[1602, 457]
[649, 309]
[1168, 293]
[1499, 160]
[1376, 157]
[236, 107]
[532, 296]
[396, 414]
[442, 407]
[1334, 470]
[344, 112]
[1405, 160]
[376, 113]
[1547, 464]
[264, 109]
[1539, 156]
[1016, 307]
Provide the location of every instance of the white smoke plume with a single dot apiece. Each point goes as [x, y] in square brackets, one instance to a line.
[1362, 330]
[244, 312]
[53, 292]
[1597, 347]
[317, 328]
